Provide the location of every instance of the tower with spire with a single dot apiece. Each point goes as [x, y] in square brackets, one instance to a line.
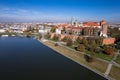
[72, 21]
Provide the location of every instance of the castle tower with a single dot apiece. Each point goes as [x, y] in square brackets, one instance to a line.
[104, 27]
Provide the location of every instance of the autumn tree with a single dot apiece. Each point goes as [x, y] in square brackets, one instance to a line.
[109, 50]
[69, 42]
[85, 42]
[79, 40]
[89, 40]
[65, 39]
[81, 48]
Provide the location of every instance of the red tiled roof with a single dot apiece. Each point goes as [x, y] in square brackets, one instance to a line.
[90, 24]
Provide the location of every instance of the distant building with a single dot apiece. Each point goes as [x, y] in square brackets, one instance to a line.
[115, 25]
[58, 31]
[2, 30]
[74, 30]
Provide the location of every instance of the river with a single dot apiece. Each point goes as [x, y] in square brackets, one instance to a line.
[24, 58]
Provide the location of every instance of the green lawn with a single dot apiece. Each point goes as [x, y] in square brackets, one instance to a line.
[118, 59]
[98, 55]
[101, 55]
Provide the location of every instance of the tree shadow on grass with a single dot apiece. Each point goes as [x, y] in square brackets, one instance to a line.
[88, 58]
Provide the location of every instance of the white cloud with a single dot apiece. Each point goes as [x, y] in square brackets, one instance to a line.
[25, 14]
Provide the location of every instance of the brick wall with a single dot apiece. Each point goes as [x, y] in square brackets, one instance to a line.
[108, 41]
[61, 36]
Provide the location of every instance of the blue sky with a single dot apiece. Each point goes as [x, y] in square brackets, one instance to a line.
[59, 10]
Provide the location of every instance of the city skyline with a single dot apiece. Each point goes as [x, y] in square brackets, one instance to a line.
[59, 10]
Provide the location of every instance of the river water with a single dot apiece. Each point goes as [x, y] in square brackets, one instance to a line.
[24, 58]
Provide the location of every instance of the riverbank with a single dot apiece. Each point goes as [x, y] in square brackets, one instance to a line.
[77, 57]
[97, 66]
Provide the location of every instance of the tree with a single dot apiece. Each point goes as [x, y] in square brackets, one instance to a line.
[89, 40]
[109, 50]
[118, 45]
[28, 34]
[85, 42]
[92, 53]
[47, 36]
[69, 42]
[79, 40]
[81, 48]
[91, 48]
[85, 31]
[114, 32]
[53, 29]
[56, 37]
[93, 43]
[40, 36]
[88, 58]
[99, 41]
[65, 39]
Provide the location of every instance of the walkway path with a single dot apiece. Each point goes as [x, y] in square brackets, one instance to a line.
[75, 57]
